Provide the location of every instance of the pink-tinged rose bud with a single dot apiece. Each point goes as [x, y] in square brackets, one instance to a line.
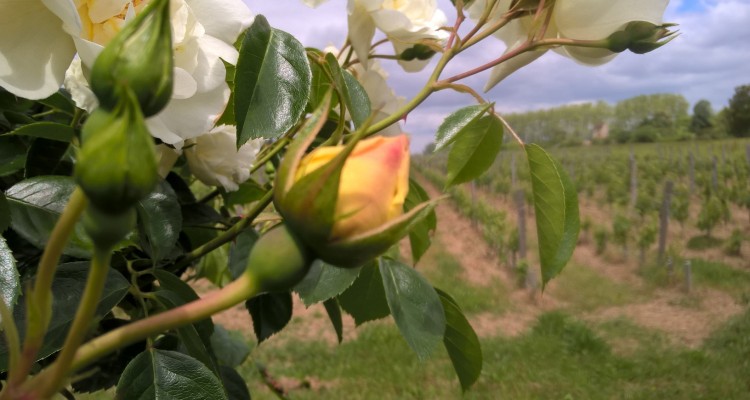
[345, 202]
[373, 184]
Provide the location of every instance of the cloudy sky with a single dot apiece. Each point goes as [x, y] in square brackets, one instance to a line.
[707, 61]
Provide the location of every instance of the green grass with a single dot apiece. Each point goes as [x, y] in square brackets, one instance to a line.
[585, 289]
[559, 358]
[713, 274]
[445, 272]
[703, 242]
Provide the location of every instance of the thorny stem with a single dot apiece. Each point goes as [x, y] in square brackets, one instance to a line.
[528, 46]
[461, 89]
[11, 336]
[78, 330]
[234, 293]
[228, 235]
[426, 91]
[272, 151]
[507, 125]
[40, 299]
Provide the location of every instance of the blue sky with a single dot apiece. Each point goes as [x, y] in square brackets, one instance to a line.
[708, 60]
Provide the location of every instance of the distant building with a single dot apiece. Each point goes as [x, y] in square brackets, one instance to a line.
[600, 131]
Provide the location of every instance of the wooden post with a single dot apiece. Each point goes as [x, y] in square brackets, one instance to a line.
[688, 276]
[715, 174]
[633, 182]
[691, 173]
[521, 207]
[664, 218]
[513, 172]
[747, 153]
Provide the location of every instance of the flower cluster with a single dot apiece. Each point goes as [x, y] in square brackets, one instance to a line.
[570, 19]
[405, 24]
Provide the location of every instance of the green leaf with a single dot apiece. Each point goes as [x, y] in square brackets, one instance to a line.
[46, 130]
[234, 384]
[272, 82]
[67, 288]
[228, 117]
[188, 334]
[60, 101]
[415, 306]
[271, 312]
[475, 149]
[454, 124]
[4, 213]
[240, 250]
[352, 93]
[230, 347]
[36, 204]
[45, 157]
[461, 342]
[365, 299]
[556, 206]
[320, 86]
[248, 192]
[10, 286]
[357, 101]
[334, 314]
[12, 154]
[324, 281]
[419, 235]
[162, 374]
[160, 219]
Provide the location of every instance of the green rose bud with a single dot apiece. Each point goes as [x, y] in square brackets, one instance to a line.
[640, 37]
[106, 230]
[116, 166]
[138, 57]
[278, 260]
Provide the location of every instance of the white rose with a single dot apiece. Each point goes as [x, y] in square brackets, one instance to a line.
[405, 23]
[383, 99]
[571, 19]
[214, 159]
[39, 39]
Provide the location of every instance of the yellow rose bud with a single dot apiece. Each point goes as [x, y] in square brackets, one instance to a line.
[373, 184]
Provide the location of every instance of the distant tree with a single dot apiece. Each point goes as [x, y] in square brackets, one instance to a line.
[738, 112]
[702, 120]
[429, 149]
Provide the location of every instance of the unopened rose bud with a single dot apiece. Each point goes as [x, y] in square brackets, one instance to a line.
[640, 37]
[373, 184]
[116, 166]
[138, 57]
[417, 52]
[278, 260]
[346, 202]
[106, 230]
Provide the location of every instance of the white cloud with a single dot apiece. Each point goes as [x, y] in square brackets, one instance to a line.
[707, 61]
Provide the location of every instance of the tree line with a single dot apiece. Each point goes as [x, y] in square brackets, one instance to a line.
[644, 118]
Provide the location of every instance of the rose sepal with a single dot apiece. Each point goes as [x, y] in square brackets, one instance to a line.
[356, 250]
[138, 57]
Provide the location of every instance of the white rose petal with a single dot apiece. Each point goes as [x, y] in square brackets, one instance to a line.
[214, 159]
[572, 19]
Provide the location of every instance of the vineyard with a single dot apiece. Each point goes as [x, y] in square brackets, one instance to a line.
[624, 320]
